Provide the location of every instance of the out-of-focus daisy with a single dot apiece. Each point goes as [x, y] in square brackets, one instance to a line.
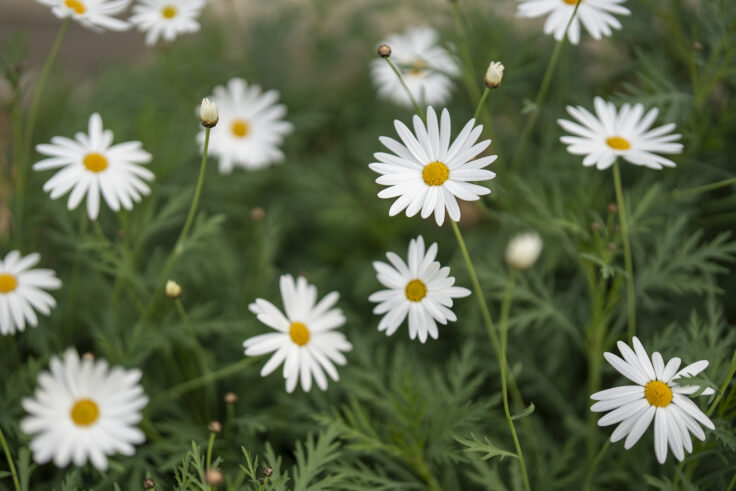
[595, 15]
[166, 18]
[95, 14]
[420, 288]
[426, 67]
[22, 291]
[624, 133]
[523, 250]
[426, 173]
[250, 129]
[306, 342]
[656, 396]
[83, 410]
[91, 165]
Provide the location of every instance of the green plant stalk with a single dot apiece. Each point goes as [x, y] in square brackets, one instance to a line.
[25, 151]
[630, 292]
[481, 103]
[596, 461]
[425, 472]
[704, 188]
[210, 446]
[189, 385]
[9, 458]
[417, 108]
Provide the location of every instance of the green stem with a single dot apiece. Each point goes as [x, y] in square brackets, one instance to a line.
[189, 385]
[724, 385]
[9, 457]
[417, 108]
[630, 292]
[732, 484]
[596, 461]
[481, 103]
[705, 188]
[208, 461]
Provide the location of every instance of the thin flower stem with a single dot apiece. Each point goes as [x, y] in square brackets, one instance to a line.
[732, 484]
[9, 458]
[481, 103]
[417, 108]
[596, 461]
[190, 385]
[724, 385]
[705, 188]
[197, 194]
[630, 292]
[210, 446]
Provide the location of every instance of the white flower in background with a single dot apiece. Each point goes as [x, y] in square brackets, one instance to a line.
[426, 67]
[595, 15]
[83, 410]
[523, 250]
[22, 291]
[420, 288]
[250, 129]
[306, 342]
[166, 18]
[626, 133]
[426, 173]
[95, 14]
[91, 165]
[656, 396]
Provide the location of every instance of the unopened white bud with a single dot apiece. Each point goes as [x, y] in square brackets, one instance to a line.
[494, 75]
[173, 290]
[523, 250]
[208, 113]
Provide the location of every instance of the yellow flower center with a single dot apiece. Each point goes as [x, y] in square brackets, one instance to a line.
[572, 2]
[658, 393]
[7, 283]
[299, 333]
[240, 128]
[415, 290]
[418, 67]
[618, 143]
[76, 6]
[435, 173]
[85, 412]
[95, 162]
[169, 12]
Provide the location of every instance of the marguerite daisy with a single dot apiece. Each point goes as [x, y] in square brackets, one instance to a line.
[427, 173]
[426, 67]
[306, 341]
[626, 133]
[420, 288]
[656, 396]
[83, 410]
[95, 14]
[166, 18]
[595, 15]
[22, 291]
[91, 165]
[250, 129]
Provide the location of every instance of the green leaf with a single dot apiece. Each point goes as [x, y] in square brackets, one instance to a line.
[485, 447]
[524, 413]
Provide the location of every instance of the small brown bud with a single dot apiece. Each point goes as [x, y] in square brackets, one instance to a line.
[698, 46]
[611, 246]
[261, 480]
[613, 208]
[88, 356]
[231, 398]
[149, 483]
[595, 226]
[215, 427]
[258, 214]
[267, 471]
[384, 50]
[213, 477]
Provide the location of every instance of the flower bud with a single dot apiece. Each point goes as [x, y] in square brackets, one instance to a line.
[231, 398]
[173, 290]
[494, 75]
[215, 427]
[523, 250]
[257, 213]
[267, 471]
[384, 50]
[208, 113]
[213, 477]
[149, 483]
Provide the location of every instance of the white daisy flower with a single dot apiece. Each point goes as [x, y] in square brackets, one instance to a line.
[306, 341]
[427, 173]
[656, 396]
[83, 410]
[426, 67]
[95, 14]
[420, 288]
[250, 128]
[626, 133]
[595, 15]
[22, 291]
[90, 166]
[166, 18]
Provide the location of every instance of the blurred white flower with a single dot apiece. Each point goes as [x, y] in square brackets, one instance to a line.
[656, 396]
[420, 288]
[595, 15]
[22, 291]
[251, 127]
[523, 250]
[83, 410]
[95, 14]
[306, 341]
[90, 165]
[494, 75]
[208, 113]
[625, 133]
[427, 173]
[426, 67]
[166, 18]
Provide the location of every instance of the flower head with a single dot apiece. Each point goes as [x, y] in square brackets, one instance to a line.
[656, 396]
[173, 290]
[494, 75]
[22, 291]
[91, 165]
[95, 14]
[306, 341]
[523, 250]
[427, 173]
[208, 113]
[420, 288]
[166, 18]
[625, 133]
[83, 410]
